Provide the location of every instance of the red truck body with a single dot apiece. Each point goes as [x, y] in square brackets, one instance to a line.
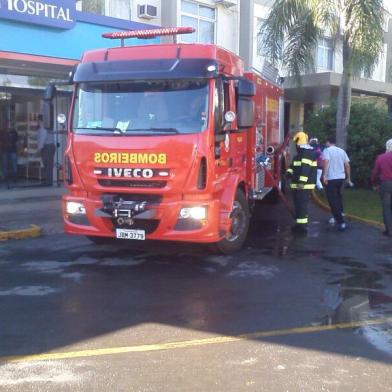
[173, 179]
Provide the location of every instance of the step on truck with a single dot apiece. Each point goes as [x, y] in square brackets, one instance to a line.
[171, 142]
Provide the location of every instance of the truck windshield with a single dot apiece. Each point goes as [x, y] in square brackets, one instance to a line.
[141, 107]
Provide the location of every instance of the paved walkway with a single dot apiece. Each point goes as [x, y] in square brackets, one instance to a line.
[18, 193]
[22, 213]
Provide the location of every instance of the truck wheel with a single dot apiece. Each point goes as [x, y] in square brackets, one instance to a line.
[240, 216]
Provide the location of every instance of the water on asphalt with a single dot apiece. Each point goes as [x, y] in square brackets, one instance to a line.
[59, 291]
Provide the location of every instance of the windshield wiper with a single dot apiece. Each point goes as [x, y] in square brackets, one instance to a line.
[117, 131]
[163, 129]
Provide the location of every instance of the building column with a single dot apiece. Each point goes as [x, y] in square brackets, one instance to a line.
[169, 13]
[389, 104]
[246, 31]
[296, 115]
[388, 41]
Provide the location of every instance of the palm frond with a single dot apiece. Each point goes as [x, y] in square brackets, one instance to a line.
[282, 18]
[325, 14]
[291, 31]
[364, 32]
[300, 44]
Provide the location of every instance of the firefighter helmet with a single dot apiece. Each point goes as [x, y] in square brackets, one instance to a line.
[300, 138]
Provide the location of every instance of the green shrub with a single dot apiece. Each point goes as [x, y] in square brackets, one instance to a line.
[369, 129]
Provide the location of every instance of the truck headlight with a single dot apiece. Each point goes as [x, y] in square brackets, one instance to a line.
[75, 208]
[198, 213]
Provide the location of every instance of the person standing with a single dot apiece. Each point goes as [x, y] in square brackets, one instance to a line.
[382, 176]
[336, 170]
[47, 149]
[319, 155]
[3, 156]
[11, 140]
[303, 174]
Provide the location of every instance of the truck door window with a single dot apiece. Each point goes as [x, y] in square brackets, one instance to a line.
[226, 96]
[219, 105]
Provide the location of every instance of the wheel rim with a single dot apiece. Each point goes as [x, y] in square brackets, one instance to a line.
[238, 222]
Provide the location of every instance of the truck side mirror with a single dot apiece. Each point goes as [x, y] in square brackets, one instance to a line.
[246, 113]
[50, 92]
[48, 110]
[48, 115]
[246, 88]
[72, 74]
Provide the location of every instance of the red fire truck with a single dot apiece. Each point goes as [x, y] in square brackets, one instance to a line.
[168, 142]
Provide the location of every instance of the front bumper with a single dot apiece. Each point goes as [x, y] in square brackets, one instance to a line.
[161, 221]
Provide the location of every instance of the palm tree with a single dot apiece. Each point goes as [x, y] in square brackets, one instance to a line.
[293, 27]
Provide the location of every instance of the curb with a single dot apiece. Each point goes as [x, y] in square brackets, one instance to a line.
[325, 207]
[31, 232]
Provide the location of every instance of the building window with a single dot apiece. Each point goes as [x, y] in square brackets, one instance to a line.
[202, 18]
[118, 9]
[93, 6]
[325, 54]
[115, 8]
[260, 48]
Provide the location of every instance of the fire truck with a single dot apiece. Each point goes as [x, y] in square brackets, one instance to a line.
[171, 142]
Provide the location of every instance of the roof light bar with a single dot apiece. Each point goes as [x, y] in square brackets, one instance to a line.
[151, 33]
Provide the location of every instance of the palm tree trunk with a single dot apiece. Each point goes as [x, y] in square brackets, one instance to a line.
[344, 98]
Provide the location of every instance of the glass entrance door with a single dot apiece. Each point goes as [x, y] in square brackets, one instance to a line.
[20, 112]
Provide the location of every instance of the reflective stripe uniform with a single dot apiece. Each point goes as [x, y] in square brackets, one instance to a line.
[303, 174]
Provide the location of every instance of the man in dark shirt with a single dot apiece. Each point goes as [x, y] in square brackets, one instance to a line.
[11, 139]
[382, 175]
[3, 155]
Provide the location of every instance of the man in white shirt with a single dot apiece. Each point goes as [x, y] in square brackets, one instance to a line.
[47, 149]
[336, 170]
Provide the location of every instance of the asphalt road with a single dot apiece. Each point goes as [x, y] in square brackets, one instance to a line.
[285, 314]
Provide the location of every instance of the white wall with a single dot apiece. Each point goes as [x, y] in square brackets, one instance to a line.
[156, 3]
[338, 57]
[260, 12]
[379, 72]
[388, 5]
[227, 24]
[133, 7]
[228, 33]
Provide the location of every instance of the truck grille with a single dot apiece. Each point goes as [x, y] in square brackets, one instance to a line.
[149, 225]
[132, 184]
[149, 198]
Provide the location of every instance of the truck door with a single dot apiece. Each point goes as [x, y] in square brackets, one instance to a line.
[230, 144]
[222, 138]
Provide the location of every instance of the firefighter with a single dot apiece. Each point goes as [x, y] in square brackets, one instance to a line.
[303, 174]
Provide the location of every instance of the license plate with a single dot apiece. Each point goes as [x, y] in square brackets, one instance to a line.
[131, 234]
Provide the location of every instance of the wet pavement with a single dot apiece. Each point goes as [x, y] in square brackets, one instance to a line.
[286, 313]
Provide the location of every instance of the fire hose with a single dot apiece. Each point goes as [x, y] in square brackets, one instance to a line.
[275, 182]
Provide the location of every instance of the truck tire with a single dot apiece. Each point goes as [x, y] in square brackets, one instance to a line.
[239, 226]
